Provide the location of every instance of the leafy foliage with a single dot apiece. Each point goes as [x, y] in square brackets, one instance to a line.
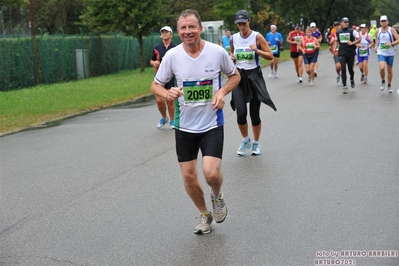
[51, 15]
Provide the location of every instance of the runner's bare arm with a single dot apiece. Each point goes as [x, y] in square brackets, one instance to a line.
[264, 50]
[232, 82]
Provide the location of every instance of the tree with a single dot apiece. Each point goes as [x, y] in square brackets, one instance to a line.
[134, 18]
[51, 15]
[226, 10]
[387, 7]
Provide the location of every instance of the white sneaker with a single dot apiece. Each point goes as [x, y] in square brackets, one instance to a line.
[308, 78]
[300, 79]
[271, 75]
[311, 83]
[389, 89]
[242, 150]
[382, 87]
[219, 208]
[275, 75]
[256, 150]
[162, 122]
[206, 224]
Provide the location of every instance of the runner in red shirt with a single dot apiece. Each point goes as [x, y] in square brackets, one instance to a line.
[294, 38]
[309, 46]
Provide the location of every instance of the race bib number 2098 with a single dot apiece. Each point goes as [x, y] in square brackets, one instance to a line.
[198, 91]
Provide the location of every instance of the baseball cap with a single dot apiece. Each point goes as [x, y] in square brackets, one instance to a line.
[166, 28]
[383, 18]
[344, 19]
[242, 16]
[336, 23]
[297, 25]
[312, 24]
[273, 26]
[362, 25]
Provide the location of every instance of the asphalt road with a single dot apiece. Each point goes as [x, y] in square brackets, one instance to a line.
[105, 188]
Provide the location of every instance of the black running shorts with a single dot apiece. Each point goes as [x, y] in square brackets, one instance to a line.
[188, 144]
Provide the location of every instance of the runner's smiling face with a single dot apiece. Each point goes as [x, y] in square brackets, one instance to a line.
[189, 30]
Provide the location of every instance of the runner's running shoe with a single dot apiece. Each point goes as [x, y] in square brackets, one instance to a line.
[365, 80]
[382, 87]
[219, 208]
[162, 122]
[271, 75]
[352, 83]
[242, 151]
[172, 124]
[389, 89]
[345, 90]
[256, 150]
[206, 223]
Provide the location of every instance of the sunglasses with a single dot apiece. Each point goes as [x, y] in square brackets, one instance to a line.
[383, 21]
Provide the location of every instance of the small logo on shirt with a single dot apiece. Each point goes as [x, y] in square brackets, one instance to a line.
[209, 67]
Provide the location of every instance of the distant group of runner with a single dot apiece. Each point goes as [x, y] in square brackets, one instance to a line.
[347, 45]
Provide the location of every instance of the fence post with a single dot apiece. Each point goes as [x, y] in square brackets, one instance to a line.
[83, 52]
[19, 57]
[127, 51]
[43, 64]
[64, 54]
[116, 51]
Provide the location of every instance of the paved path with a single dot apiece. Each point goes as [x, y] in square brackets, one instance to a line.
[105, 188]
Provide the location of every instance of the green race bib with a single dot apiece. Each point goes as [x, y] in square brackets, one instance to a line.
[310, 46]
[198, 91]
[363, 52]
[245, 55]
[344, 37]
[383, 46]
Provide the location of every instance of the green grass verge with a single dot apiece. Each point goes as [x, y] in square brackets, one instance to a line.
[32, 107]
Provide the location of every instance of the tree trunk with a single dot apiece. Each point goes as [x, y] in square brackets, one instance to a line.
[142, 64]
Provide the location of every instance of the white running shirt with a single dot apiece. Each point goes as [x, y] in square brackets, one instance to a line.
[384, 37]
[200, 79]
[246, 58]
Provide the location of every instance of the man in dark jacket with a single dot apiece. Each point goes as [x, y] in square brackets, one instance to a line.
[347, 39]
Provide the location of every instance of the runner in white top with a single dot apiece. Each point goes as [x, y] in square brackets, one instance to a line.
[199, 100]
[363, 52]
[200, 80]
[385, 38]
[246, 48]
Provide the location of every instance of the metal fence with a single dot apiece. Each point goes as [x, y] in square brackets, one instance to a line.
[45, 59]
